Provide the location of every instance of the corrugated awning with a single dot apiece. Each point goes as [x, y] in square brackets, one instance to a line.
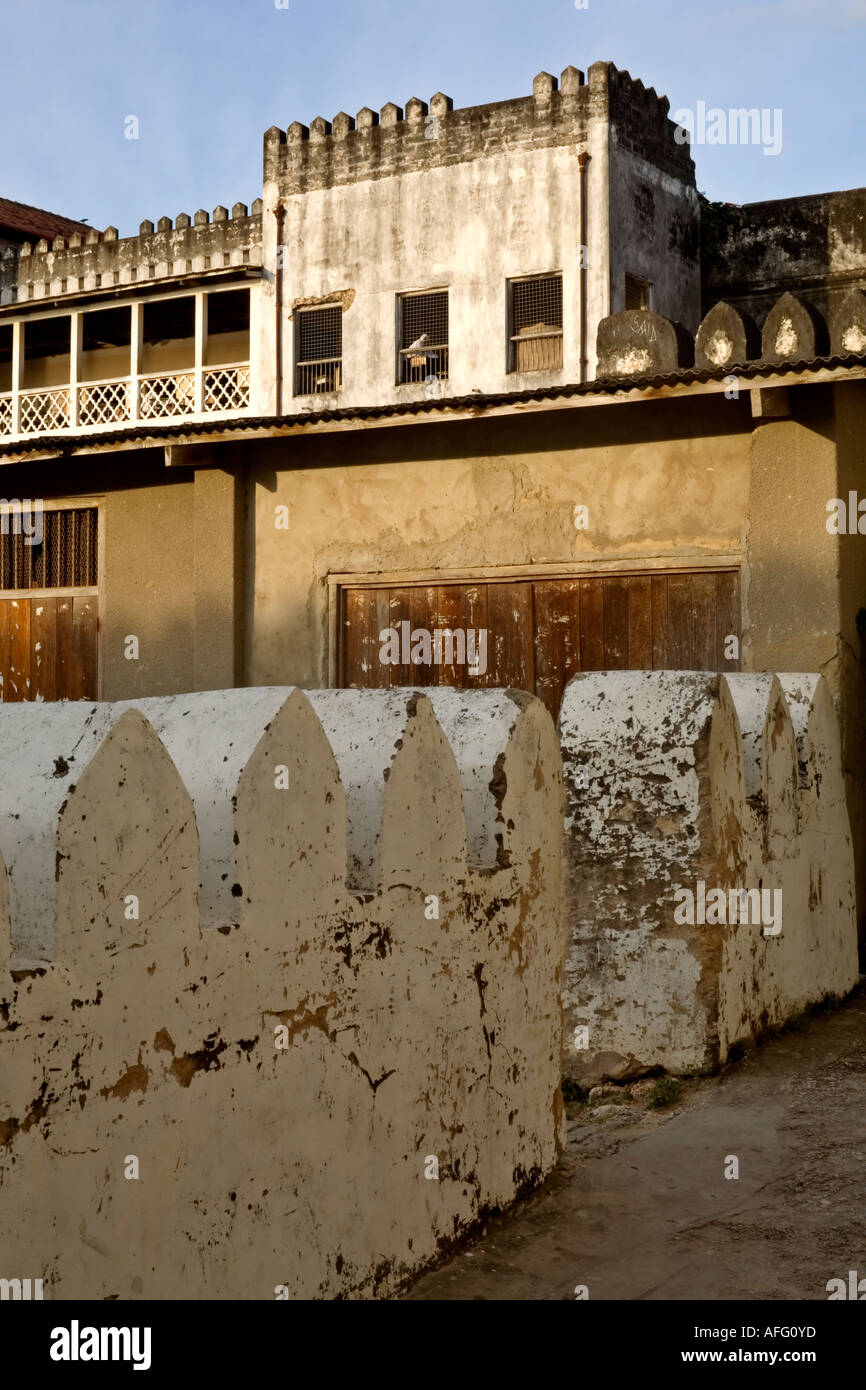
[626, 388]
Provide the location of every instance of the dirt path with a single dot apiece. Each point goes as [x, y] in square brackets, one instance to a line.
[640, 1207]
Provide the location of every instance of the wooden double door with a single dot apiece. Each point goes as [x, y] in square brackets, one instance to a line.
[539, 632]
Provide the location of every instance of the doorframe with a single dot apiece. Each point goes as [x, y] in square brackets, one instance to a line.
[720, 562]
[71, 503]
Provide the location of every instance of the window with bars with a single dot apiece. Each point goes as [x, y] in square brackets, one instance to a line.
[319, 355]
[536, 324]
[64, 556]
[423, 353]
[637, 292]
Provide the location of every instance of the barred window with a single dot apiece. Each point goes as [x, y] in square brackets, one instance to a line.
[423, 337]
[54, 549]
[536, 324]
[637, 292]
[319, 356]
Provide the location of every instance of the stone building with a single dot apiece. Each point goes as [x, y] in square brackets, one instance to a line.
[496, 370]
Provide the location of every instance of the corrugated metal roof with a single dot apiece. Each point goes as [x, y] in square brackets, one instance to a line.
[753, 372]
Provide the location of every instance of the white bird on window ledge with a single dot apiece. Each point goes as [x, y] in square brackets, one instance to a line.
[419, 343]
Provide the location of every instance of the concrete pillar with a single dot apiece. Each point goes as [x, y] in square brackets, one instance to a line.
[790, 578]
[804, 585]
[219, 564]
[849, 687]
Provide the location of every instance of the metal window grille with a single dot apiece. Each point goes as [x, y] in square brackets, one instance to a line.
[536, 321]
[637, 292]
[424, 336]
[65, 558]
[319, 360]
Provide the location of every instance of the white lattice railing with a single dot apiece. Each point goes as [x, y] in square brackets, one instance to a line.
[227, 388]
[103, 403]
[162, 396]
[41, 412]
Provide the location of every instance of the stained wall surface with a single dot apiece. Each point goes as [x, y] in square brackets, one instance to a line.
[285, 1040]
[685, 791]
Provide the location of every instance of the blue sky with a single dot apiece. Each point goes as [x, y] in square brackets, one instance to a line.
[206, 78]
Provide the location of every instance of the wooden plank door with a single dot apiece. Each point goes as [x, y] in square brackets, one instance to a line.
[542, 632]
[49, 628]
[48, 648]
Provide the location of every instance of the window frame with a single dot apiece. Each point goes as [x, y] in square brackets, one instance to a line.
[512, 338]
[332, 306]
[401, 353]
[645, 285]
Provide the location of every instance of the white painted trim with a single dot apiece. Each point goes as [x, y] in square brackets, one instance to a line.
[124, 302]
[200, 350]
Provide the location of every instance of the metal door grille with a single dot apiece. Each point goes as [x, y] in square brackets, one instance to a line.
[64, 558]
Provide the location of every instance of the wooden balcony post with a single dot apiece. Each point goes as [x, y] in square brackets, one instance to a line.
[76, 335]
[136, 352]
[17, 373]
[200, 349]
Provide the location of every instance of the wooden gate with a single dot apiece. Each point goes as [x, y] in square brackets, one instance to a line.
[541, 632]
[49, 608]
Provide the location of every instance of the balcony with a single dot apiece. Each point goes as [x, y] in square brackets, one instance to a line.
[125, 401]
[163, 365]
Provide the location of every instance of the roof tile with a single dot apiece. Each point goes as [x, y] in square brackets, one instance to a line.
[36, 222]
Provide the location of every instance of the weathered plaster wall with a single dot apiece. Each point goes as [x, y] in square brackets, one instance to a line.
[815, 245]
[804, 585]
[465, 227]
[848, 675]
[657, 484]
[148, 569]
[650, 209]
[149, 589]
[792, 562]
[465, 200]
[406, 1039]
[676, 780]
[654, 211]
[220, 578]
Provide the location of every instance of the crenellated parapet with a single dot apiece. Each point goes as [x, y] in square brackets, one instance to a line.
[425, 134]
[641, 124]
[709, 866]
[99, 260]
[640, 343]
[282, 1018]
